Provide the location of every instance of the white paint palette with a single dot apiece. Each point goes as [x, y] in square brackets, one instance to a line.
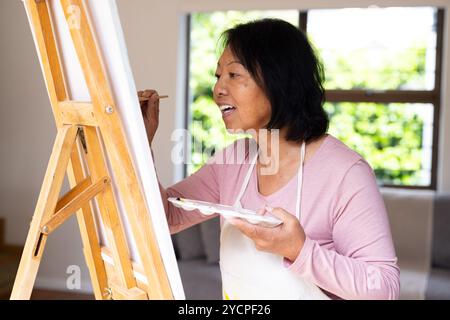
[208, 208]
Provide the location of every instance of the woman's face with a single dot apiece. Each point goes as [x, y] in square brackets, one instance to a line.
[243, 103]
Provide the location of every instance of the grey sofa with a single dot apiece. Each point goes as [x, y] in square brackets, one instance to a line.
[420, 224]
[197, 250]
[438, 286]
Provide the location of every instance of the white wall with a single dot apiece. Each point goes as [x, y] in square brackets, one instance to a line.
[155, 37]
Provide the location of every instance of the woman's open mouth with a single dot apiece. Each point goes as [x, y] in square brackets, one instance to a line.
[226, 110]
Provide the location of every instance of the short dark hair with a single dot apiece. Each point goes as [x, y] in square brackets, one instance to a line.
[283, 63]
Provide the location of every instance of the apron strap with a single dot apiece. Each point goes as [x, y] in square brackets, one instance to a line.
[246, 179]
[300, 181]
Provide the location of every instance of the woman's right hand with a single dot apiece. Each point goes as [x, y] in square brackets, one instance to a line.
[150, 111]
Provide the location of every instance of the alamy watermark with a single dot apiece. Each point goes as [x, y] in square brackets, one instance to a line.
[74, 16]
[373, 278]
[241, 152]
[73, 281]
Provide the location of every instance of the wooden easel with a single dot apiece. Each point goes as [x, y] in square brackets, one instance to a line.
[80, 126]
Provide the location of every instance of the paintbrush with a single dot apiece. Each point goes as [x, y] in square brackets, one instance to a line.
[142, 99]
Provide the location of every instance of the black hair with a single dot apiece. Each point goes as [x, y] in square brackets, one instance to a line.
[282, 62]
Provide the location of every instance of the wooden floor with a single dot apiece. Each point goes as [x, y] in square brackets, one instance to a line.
[40, 294]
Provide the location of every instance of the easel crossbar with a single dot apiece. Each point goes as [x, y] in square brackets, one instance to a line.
[73, 201]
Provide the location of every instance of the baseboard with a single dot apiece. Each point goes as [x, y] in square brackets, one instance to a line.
[59, 284]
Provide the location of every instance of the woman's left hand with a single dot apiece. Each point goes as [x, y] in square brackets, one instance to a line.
[285, 240]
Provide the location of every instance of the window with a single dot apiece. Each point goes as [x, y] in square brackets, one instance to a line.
[382, 80]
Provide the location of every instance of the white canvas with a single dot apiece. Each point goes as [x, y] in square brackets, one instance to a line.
[105, 21]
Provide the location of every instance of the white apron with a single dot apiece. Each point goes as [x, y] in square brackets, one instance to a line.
[248, 273]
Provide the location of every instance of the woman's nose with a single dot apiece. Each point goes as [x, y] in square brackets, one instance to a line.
[220, 89]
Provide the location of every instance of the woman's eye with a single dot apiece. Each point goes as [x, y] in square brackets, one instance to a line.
[233, 75]
[217, 76]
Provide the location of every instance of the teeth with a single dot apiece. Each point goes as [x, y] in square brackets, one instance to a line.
[226, 107]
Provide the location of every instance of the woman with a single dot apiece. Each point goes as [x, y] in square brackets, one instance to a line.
[335, 240]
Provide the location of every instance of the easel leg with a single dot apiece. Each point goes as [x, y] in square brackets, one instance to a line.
[85, 217]
[48, 197]
[109, 213]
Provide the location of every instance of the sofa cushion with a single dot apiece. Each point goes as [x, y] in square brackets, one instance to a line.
[411, 219]
[188, 243]
[210, 234]
[441, 232]
[410, 215]
[413, 281]
[438, 284]
[200, 280]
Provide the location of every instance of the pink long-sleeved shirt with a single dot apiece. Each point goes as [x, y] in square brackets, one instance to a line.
[348, 250]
